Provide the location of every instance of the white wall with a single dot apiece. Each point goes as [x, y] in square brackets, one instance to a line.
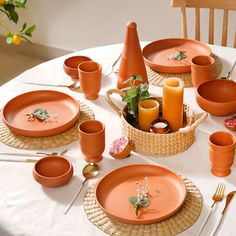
[80, 24]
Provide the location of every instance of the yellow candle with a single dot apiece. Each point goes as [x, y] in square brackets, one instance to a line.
[173, 89]
[148, 111]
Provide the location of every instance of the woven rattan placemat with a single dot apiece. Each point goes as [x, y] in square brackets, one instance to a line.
[182, 220]
[30, 143]
[157, 78]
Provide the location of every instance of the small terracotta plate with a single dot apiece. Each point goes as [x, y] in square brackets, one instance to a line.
[63, 113]
[156, 54]
[167, 193]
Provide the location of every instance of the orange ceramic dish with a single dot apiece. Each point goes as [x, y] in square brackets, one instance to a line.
[53, 171]
[71, 64]
[63, 113]
[218, 97]
[167, 191]
[156, 54]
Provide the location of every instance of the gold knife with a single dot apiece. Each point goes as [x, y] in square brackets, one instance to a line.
[19, 160]
[228, 200]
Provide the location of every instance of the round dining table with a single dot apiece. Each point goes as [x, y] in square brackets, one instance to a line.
[29, 209]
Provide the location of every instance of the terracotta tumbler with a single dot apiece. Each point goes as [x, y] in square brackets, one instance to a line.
[132, 62]
[90, 74]
[92, 140]
[221, 152]
[201, 69]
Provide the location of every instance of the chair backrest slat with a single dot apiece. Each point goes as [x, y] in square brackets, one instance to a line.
[184, 22]
[211, 26]
[197, 24]
[224, 5]
[225, 28]
[217, 4]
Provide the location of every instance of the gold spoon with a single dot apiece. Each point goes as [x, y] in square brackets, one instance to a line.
[90, 171]
[72, 86]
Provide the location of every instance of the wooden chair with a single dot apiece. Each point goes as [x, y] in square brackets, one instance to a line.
[224, 5]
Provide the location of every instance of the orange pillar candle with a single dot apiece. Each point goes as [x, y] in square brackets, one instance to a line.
[148, 111]
[173, 90]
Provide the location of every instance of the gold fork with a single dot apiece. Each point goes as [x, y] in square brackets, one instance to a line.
[113, 65]
[217, 197]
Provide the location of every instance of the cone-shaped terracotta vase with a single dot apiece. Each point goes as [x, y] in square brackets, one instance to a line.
[132, 62]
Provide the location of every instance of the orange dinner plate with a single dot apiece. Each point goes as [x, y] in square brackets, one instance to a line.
[63, 113]
[166, 190]
[156, 54]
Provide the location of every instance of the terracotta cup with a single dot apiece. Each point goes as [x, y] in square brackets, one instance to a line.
[148, 111]
[201, 69]
[92, 140]
[221, 152]
[90, 74]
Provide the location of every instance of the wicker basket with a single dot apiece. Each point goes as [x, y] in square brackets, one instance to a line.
[159, 144]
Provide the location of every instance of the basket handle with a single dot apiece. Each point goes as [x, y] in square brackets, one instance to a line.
[195, 124]
[111, 103]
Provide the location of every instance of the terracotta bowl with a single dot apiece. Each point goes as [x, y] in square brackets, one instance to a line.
[53, 171]
[217, 97]
[70, 65]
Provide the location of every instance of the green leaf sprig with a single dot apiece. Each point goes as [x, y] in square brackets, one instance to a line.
[134, 94]
[178, 56]
[142, 199]
[39, 113]
[9, 10]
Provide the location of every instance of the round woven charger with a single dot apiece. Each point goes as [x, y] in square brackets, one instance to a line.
[30, 143]
[157, 78]
[182, 220]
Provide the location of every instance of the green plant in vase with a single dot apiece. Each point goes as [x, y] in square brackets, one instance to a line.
[8, 9]
[133, 94]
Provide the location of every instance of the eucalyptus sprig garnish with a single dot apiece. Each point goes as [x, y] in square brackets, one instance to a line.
[142, 199]
[134, 94]
[39, 113]
[178, 56]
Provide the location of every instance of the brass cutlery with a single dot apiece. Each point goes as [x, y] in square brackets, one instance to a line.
[20, 160]
[72, 86]
[217, 197]
[228, 200]
[21, 154]
[230, 72]
[36, 154]
[89, 171]
[113, 65]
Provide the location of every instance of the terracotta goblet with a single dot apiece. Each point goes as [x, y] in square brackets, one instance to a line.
[221, 152]
[201, 69]
[92, 140]
[90, 74]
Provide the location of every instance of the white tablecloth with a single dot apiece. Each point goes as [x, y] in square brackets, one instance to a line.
[28, 209]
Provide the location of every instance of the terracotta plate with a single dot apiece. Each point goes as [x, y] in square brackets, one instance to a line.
[156, 54]
[63, 113]
[167, 191]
